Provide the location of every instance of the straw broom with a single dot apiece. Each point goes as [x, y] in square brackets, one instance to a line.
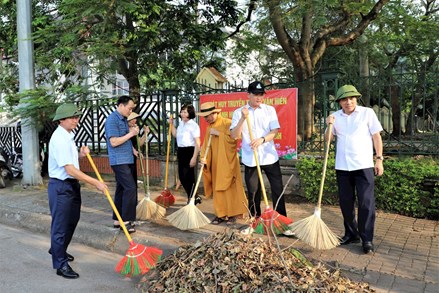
[146, 208]
[190, 217]
[313, 230]
[138, 259]
[166, 198]
[270, 220]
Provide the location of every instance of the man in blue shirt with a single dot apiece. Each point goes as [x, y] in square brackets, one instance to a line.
[120, 153]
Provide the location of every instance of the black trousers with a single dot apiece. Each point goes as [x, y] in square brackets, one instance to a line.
[357, 184]
[254, 191]
[125, 198]
[186, 173]
[134, 172]
[65, 209]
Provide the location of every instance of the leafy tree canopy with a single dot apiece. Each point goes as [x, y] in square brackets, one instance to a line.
[156, 41]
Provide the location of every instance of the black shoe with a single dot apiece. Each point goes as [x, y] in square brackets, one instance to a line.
[69, 256]
[130, 227]
[67, 272]
[197, 200]
[368, 247]
[349, 239]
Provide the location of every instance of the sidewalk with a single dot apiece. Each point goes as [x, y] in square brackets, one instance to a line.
[406, 257]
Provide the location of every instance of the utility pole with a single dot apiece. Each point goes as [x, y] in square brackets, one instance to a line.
[29, 134]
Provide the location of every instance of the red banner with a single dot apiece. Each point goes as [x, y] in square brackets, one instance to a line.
[285, 103]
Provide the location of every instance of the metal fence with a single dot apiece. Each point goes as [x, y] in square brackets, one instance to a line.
[406, 104]
[408, 130]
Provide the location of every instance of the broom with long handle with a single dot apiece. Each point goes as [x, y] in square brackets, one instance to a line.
[313, 230]
[138, 259]
[166, 198]
[147, 209]
[189, 216]
[270, 220]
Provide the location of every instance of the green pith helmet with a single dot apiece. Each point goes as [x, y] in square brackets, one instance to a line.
[66, 111]
[347, 91]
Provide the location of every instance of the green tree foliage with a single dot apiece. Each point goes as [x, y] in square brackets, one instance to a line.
[303, 30]
[154, 42]
[404, 39]
[8, 48]
[296, 40]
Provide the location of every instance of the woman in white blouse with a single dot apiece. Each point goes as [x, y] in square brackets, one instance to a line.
[188, 142]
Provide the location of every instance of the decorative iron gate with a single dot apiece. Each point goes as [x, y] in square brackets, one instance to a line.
[391, 97]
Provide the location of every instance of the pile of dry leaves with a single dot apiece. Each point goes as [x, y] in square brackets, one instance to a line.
[229, 262]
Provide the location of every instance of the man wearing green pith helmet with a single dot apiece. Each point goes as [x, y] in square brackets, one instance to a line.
[358, 132]
[64, 190]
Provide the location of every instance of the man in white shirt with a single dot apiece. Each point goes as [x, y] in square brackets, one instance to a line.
[357, 130]
[64, 190]
[265, 126]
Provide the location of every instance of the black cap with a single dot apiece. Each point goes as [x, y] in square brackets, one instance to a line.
[256, 88]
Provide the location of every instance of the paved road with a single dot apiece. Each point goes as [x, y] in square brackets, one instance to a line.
[406, 258]
[25, 266]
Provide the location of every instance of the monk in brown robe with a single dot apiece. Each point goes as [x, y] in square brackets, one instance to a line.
[222, 172]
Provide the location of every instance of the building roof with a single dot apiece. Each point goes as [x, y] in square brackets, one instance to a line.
[213, 72]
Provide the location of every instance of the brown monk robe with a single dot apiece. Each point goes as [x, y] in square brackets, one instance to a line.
[222, 173]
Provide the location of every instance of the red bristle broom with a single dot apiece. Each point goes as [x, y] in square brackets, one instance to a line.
[138, 259]
[270, 220]
[166, 198]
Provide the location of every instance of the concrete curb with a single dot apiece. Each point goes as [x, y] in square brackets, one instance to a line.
[93, 235]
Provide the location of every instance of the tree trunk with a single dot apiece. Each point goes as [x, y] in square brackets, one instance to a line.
[396, 110]
[364, 72]
[305, 115]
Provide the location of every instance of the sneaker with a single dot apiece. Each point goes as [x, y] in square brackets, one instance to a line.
[289, 233]
[247, 231]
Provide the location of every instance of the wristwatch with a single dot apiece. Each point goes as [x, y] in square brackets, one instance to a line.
[379, 158]
[263, 139]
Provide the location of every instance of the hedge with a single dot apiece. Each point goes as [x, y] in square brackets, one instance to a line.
[409, 186]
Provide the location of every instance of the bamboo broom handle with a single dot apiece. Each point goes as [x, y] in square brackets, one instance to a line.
[147, 164]
[201, 170]
[141, 164]
[119, 218]
[167, 153]
[255, 153]
[325, 163]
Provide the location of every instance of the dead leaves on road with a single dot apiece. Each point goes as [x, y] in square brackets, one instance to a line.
[229, 262]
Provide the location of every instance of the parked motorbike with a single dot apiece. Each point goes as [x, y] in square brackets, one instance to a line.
[16, 160]
[5, 170]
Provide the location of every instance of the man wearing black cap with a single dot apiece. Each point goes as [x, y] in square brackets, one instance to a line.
[265, 126]
[64, 190]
